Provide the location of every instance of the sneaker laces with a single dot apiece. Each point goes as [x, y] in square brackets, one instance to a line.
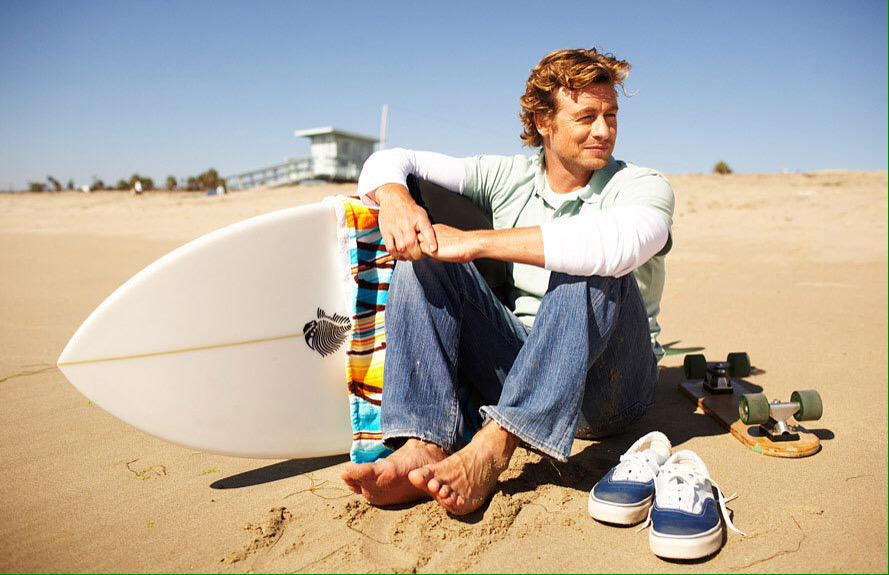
[643, 464]
[685, 484]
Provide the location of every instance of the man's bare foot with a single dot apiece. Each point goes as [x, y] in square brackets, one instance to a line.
[464, 481]
[385, 482]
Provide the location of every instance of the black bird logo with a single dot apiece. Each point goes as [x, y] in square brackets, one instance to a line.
[327, 333]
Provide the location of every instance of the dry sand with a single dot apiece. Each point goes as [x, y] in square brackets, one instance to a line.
[791, 268]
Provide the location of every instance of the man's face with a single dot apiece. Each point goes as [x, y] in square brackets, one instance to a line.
[583, 130]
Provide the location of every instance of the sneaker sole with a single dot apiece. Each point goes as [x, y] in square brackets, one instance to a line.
[686, 546]
[617, 513]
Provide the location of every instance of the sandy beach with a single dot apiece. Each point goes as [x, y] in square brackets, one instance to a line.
[790, 268]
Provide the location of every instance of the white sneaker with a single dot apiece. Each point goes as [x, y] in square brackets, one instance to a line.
[685, 518]
[623, 496]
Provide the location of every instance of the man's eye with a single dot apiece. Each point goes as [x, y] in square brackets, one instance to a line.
[611, 115]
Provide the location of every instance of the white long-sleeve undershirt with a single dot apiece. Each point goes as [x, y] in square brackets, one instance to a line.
[394, 165]
[609, 242]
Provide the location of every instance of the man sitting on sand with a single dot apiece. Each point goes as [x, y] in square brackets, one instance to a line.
[467, 376]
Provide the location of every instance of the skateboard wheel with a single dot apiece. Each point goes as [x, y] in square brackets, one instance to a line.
[740, 363]
[695, 366]
[754, 408]
[810, 406]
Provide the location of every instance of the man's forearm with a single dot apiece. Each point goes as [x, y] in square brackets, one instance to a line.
[378, 196]
[517, 245]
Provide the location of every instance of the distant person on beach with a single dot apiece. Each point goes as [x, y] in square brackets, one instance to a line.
[468, 377]
[137, 187]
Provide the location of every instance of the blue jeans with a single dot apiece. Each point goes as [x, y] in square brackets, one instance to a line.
[457, 357]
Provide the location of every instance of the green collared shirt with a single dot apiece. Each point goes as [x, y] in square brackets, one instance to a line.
[514, 190]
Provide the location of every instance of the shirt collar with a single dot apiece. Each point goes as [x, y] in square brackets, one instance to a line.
[589, 193]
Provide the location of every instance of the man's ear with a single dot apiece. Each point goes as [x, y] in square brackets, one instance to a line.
[541, 122]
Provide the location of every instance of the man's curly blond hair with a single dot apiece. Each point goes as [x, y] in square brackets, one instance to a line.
[569, 69]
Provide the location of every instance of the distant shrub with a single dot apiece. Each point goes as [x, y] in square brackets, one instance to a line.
[36, 186]
[722, 168]
[147, 183]
[97, 184]
[122, 185]
[208, 180]
[172, 184]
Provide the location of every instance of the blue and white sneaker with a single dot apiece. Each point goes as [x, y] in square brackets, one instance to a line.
[685, 517]
[624, 495]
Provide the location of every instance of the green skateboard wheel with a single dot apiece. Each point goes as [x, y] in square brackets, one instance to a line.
[695, 366]
[740, 363]
[810, 406]
[754, 408]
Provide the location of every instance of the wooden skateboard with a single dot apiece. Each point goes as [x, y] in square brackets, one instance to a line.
[739, 406]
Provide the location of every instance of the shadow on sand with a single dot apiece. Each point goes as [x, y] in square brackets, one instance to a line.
[277, 471]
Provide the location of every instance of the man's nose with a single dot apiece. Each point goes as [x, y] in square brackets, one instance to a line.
[600, 129]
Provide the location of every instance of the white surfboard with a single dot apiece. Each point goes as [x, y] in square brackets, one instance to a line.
[233, 343]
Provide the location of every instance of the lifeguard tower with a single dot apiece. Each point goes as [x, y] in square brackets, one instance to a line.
[336, 155]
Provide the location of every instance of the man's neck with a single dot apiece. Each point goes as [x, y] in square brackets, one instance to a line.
[563, 178]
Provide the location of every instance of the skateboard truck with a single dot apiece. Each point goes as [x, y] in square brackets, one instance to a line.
[774, 418]
[717, 375]
[718, 379]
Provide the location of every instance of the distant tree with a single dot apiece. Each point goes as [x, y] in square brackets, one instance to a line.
[97, 184]
[122, 185]
[172, 183]
[69, 185]
[147, 183]
[210, 179]
[722, 168]
[36, 186]
[56, 185]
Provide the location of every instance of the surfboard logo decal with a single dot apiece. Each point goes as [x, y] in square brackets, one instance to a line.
[327, 333]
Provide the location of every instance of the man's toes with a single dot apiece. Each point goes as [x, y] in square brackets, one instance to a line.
[348, 476]
[444, 491]
[384, 472]
[433, 485]
[450, 503]
[358, 472]
[421, 478]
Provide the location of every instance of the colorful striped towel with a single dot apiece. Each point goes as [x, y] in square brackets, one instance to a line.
[367, 268]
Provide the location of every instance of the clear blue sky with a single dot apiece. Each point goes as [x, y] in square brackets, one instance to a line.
[160, 88]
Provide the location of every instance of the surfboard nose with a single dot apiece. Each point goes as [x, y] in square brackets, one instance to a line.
[65, 356]
[70, 352]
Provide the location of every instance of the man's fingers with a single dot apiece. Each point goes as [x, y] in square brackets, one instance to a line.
[427, 233]
[410, 247]
[424, 245]
[404, 244]
[389, 241]
[392, 246]
[415, 253]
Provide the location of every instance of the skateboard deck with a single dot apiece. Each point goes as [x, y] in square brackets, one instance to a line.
[724, 409]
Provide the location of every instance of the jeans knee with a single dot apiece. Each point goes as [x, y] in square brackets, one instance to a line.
[564, 283]
[404, 277]
[419, 271]
[427, 281]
